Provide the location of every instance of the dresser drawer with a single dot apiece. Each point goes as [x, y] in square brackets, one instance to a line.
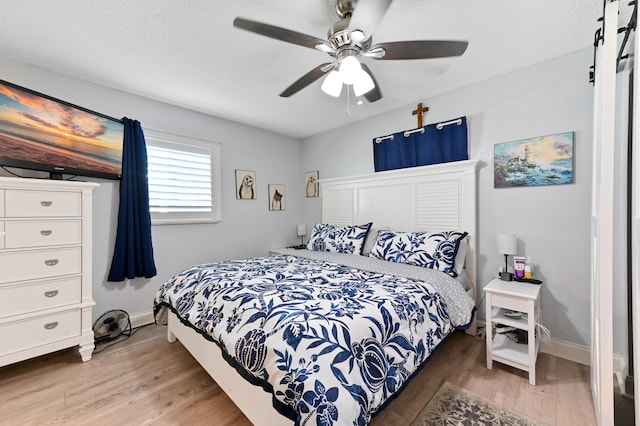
[1, 202]
[19, 335]
[42, 233]
[19, 203]
[35, 296]
[1, 234]
[28, 265]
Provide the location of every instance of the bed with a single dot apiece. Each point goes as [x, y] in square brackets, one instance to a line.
[325, 337]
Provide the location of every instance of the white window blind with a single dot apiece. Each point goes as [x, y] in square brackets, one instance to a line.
[184, 179]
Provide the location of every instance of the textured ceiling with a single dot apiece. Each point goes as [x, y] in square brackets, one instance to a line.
[187, 52]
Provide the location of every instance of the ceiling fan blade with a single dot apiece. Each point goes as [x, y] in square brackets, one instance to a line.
[373, 94]
[278, 33]
[367, 14]
[306, 79]
[421, 49]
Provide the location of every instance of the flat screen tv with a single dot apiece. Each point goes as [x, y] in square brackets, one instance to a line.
[38, 132]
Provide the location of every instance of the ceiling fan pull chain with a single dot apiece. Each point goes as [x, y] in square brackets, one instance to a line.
[348, 97]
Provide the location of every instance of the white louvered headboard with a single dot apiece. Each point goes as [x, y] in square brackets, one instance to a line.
[433, 198]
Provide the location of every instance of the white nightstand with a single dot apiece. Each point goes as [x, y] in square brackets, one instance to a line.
[503, 296]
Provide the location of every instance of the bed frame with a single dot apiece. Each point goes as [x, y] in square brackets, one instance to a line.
[436, 198]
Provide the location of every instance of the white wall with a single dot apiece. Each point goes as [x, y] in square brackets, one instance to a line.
[551, 222]
[248, 228]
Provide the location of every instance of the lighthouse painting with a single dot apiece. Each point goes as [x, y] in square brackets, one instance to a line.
[543, 160]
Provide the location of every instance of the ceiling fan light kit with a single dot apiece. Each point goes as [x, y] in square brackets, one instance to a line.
[349, 69]
[332, 84]
[351, 74]
[362, 84]
[349, 39]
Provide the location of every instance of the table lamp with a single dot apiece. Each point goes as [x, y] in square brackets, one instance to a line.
[506, 246]
[302, 231]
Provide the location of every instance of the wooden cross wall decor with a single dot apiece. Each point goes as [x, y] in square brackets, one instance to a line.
[419, 111]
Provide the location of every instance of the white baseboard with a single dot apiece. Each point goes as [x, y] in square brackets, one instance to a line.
[582, 355]
[140, 319]
[566, 350]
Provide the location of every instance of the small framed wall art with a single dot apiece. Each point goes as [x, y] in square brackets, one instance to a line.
[246, 185]
[277, 199]
[543, 160]
[311, 184]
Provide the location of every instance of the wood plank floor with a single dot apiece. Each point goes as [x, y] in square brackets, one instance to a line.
[145, 380]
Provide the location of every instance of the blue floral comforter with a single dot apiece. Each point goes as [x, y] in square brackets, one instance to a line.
[331, 341]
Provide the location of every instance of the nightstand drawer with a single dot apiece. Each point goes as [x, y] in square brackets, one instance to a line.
[20, 203]
[21, 234]
[28, 265]
[25, 334]
[509, 302]
[36, 296]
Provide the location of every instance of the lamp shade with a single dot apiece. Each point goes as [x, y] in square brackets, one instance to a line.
[302, 230]
[332, 84]
[507, 244]
[363, 84]
[349, 69]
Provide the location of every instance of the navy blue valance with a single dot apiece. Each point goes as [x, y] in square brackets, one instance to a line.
[432, 144]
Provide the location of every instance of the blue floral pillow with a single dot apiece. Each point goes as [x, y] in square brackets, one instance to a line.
[430, 250]
[338, 239]
[320, 235]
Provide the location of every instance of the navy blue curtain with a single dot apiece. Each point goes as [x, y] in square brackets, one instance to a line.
[432, 146]
[133, 252]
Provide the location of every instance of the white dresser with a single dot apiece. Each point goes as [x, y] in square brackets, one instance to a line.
[45, 268]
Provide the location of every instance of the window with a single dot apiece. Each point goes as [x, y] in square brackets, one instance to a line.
[184, 178]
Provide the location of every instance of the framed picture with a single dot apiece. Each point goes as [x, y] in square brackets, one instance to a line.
[311, 184]
[276, 197]
[544, 160]
[246, 185]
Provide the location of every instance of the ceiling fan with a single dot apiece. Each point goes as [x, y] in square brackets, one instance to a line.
[347, 40]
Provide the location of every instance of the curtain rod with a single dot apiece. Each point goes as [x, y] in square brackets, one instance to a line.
[408, 132]
[439, 126]
[384, 138]
[457, 121]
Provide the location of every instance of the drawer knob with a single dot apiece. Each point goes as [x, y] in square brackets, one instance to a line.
[46, 232]
[51, 262]
[51, 293]
[46, 203]
[51, 325]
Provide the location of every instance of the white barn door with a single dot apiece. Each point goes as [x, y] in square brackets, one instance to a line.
[602, 220]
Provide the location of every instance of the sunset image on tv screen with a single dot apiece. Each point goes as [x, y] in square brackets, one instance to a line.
[37, 129]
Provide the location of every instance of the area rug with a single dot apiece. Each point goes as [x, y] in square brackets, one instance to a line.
[452, 405]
